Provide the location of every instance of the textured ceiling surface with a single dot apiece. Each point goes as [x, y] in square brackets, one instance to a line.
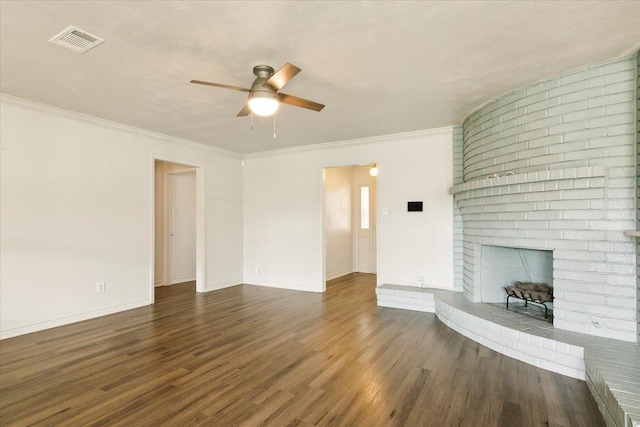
[380, 67]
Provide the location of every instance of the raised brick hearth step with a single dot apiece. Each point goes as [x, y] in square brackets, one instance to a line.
[610, 367]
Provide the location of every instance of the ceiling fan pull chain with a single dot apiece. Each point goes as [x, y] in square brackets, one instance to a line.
[251, 120]
[274, 126]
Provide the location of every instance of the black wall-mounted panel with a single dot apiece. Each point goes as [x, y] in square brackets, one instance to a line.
[414, 206]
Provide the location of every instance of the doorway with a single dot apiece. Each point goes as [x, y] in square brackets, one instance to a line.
[349, 221]
[178, 224]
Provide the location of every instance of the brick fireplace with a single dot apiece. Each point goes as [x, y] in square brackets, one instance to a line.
[552, 167]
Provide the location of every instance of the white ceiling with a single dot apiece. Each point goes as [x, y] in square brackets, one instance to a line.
[380, 67]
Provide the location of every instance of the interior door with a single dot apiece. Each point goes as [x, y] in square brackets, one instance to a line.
[365, 230]
[182, 227]
[372, 210]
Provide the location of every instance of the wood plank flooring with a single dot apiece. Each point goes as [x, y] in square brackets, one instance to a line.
[249, 356]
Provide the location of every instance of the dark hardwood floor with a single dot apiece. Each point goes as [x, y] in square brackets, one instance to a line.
[248, 356]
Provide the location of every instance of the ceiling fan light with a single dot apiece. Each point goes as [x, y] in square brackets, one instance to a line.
[263, 106]
[374, 170]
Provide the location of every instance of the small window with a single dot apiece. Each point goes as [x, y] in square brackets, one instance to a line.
[364, 208]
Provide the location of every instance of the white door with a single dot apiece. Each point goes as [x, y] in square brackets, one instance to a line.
[182, 227]
[366, 262]
[374, 244]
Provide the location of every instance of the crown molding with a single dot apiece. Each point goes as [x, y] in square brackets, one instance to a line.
[352, 142]
[313, 147]
[111, 124]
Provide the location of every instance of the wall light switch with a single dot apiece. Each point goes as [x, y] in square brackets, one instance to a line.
[385, 210]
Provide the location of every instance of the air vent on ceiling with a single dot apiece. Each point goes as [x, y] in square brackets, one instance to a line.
[76, 39]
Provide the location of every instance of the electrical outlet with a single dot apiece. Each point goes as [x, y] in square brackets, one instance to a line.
[101, 287]
[420, 281]
[257, 270]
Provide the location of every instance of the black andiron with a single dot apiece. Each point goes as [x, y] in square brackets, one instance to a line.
[535, 293]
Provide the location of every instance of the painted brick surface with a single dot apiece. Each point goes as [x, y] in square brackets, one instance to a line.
[528, 129]
[406, 298]
[458, 278]
[571, 144]
[638, 189]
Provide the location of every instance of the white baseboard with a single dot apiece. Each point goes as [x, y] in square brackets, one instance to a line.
[289, 286]
[339, 274]
[216, 286]
[183, 279]
[71, 319]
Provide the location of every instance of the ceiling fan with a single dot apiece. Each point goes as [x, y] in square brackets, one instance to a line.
[265, 96]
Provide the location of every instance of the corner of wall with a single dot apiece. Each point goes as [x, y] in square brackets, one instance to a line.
[637, 97]
[458, 259]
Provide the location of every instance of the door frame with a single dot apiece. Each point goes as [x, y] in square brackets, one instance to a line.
[323, 214]
[200, 221]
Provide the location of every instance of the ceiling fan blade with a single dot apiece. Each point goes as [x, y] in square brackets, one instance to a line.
[245, 111]
[299, 102]
[282, 76]
[241, 89]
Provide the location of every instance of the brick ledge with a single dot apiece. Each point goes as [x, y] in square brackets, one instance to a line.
[530, 177]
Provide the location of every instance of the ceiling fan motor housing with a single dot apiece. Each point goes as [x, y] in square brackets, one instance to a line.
[258, 89]
[263, 71]
[263, 99]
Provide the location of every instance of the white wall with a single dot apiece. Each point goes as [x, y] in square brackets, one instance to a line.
[77, 208]
[283, 217]
[338, 222]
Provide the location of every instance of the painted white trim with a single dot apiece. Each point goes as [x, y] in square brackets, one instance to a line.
[168, 138]
[152, 232]
[216, 286]
[201, 237]
[111, 124]
[339, 274]
[71, 319]
[183, 279]
[288, 286]
[354, 223]
[323, 222]
[200, 221]
[351, 142]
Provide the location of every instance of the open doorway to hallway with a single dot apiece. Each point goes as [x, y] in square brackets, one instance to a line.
[350, 221]
[175, 213]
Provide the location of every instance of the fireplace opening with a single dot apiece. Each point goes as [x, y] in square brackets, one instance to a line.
[504, 266]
